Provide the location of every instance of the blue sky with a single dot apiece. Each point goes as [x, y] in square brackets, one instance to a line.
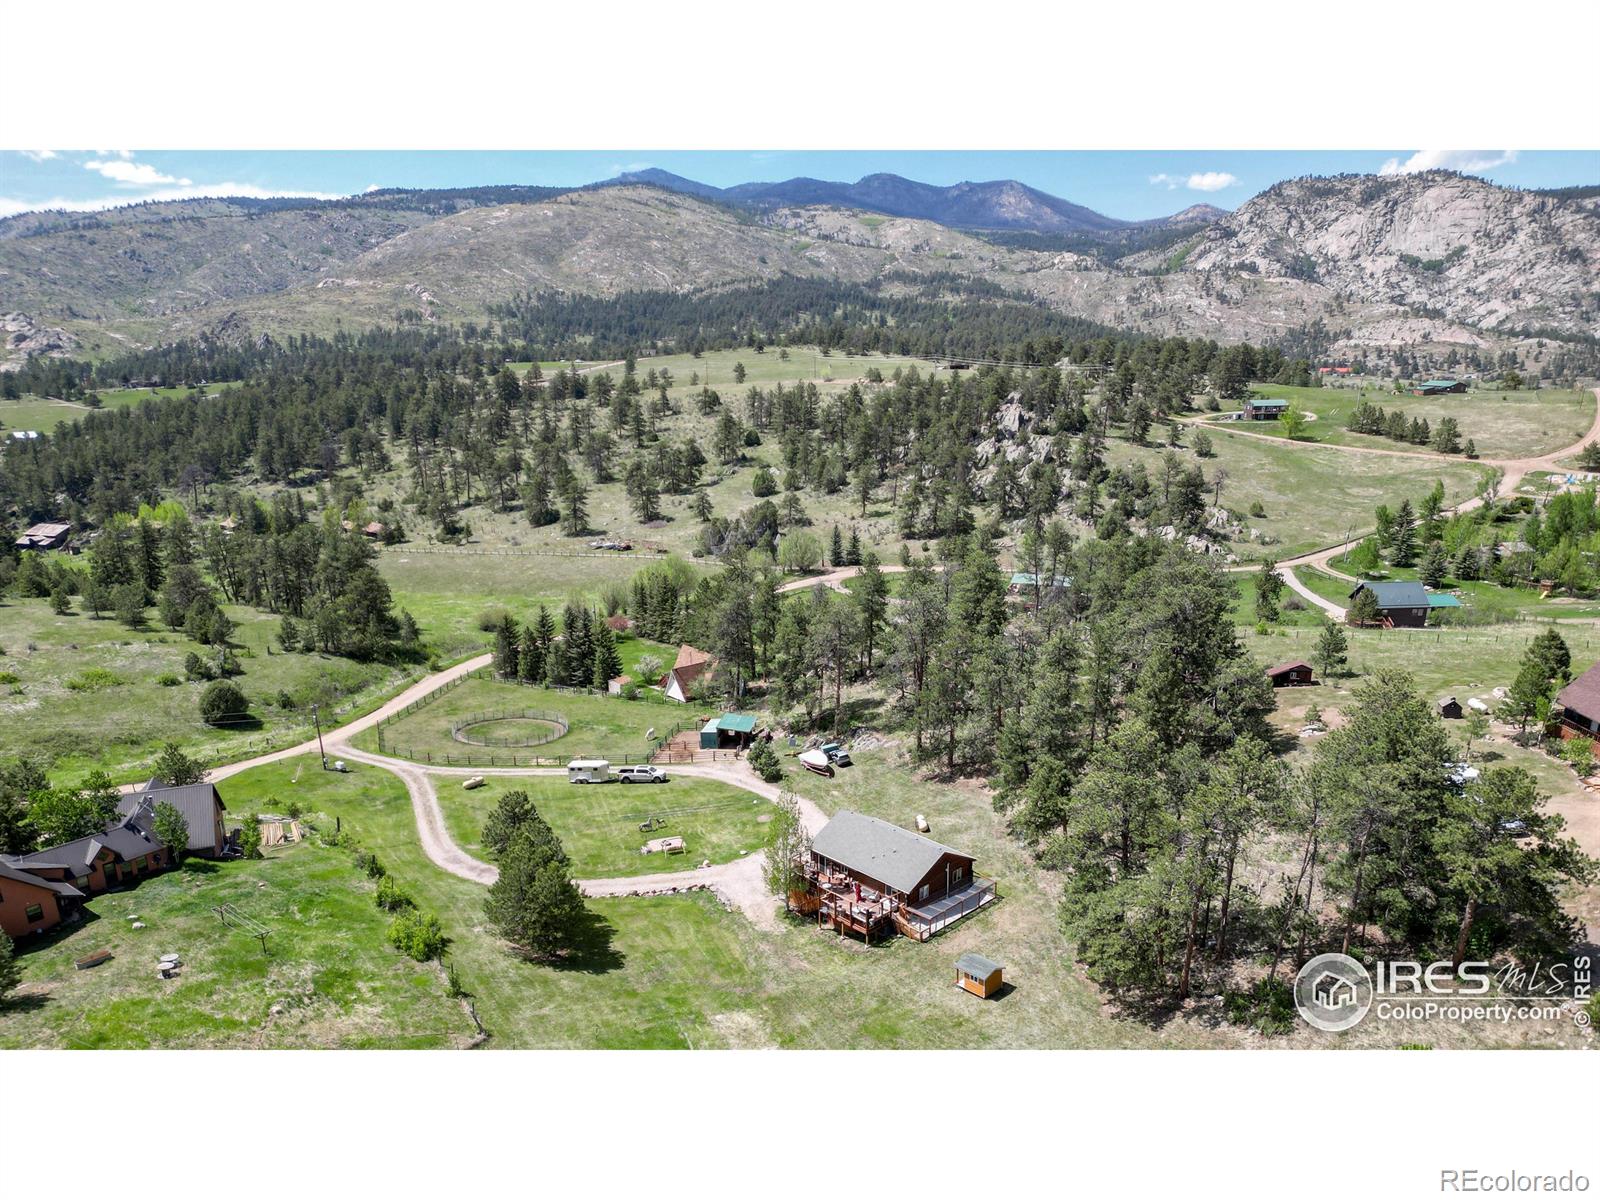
[1127, 184]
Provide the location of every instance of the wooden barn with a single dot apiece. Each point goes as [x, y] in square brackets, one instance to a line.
[871, 878]
[1291, 674]
[1450, 708]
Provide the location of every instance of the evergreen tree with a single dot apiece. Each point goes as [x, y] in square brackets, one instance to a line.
[507, 642]
[835, 549]
[607, 662]
[1431, 570]
[534, 903]
[1403, 536]
[1332, 652]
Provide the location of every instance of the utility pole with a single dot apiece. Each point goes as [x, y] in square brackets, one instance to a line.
[317, 717]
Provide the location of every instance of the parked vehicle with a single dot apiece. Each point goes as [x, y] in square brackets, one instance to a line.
[641, 775]
[837, 754]
[588, 770]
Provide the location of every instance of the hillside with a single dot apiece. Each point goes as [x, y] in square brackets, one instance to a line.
[1485, 256]
[1371, 263]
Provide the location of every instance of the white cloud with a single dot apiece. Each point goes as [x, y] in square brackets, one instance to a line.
[37, 156]
[10, 206]
[630, 168]
[127, 173]
[1449, 160]
[1200, 181]
[370, 188]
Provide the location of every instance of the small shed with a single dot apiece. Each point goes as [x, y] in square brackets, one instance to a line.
[1290, 674]
[588, 770]
[978, 975]
[730, 731]
[1450, 708]
[1438, 387]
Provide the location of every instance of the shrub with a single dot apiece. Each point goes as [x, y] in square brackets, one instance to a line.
[456, 989]
[7, 678]
[1257, 510]
[491, 619]
[391, 897]
[417, 934]
[368, 862]
[764, 762]
[94, 679]
[1268, 1007]
[168, 679]
[221, 702]
[286, 701]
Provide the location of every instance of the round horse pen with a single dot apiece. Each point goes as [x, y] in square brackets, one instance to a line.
[519, 729]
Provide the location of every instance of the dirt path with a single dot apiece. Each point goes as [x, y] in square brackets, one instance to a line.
[740, 884]
[415, 692]
[835, 579]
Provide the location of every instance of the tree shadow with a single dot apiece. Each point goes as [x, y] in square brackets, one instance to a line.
[593, 948]
[24, 1002]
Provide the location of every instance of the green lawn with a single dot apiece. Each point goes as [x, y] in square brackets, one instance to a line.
[607, 726]
[448, 592]
[1501, 424]
[599, 825]
[328, 965]
[680, 971]
[120, 723]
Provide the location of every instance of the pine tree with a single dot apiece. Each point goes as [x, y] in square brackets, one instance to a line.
[1403, 538]
[607, 662]
[852, 552]
[835, 549]
[1364, 608]
[1431, 570]
[534, 903]
[506, 645]
[1333, 648]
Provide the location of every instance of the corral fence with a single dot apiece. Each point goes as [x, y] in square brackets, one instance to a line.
[458, 730]
[662, 751]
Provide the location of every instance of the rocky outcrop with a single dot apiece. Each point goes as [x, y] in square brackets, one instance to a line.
[24, 337]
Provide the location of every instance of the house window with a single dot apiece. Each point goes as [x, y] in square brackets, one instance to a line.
[958, 872]
[35, 912]
[923, 894]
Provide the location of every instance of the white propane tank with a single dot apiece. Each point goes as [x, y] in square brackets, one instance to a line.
[922, 823]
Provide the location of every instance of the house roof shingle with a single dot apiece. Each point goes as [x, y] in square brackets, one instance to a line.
[198, 802]
[886, 852]
[14, 871]
[1582, 695]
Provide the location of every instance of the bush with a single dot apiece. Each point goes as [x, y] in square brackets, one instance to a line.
[94, 679]
[1268, 1007]
[221, 702]
[168, 679]
[1257, 510]
[391, 897]
[418, 935]
[491, 619]
[368, 862]
[764, 762]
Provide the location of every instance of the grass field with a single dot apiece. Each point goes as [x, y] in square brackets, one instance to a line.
[328, 966]
[607, 726]
[599, 825]
[447, 592]
[86, 691]
[1313, 496]
[1502, 424]
[43, 414]
[679, 971]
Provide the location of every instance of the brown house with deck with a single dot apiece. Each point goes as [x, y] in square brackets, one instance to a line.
[1579, 705]
[871, 878]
